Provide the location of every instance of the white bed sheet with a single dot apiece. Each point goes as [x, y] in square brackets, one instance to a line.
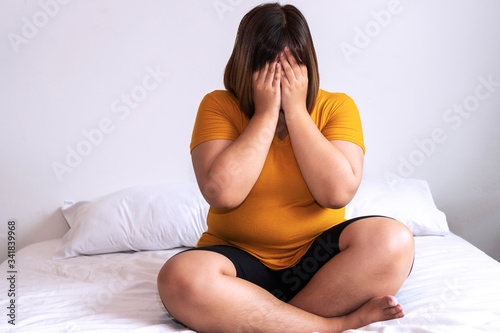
[454, 287]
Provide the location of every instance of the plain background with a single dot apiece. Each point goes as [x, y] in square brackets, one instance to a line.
[97, 96]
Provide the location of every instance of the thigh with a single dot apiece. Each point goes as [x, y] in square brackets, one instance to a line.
[188, 267]
[377, 233]
[246, 266]
[193, 272]
[325, 247]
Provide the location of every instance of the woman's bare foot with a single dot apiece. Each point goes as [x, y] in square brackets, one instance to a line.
[376, 309]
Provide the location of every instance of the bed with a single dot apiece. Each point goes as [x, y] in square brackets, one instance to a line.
[101, 275]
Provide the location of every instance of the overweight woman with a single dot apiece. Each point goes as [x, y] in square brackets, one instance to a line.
[278, 159]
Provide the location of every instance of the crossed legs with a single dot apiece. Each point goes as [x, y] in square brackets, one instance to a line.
[353, 289]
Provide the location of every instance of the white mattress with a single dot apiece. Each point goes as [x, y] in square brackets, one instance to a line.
[454, 287]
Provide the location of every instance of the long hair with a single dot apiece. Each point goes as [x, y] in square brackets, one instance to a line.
[262, 34]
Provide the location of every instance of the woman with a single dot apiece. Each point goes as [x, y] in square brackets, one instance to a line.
[278, 159]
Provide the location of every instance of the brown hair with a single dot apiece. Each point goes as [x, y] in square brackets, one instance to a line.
[262, 34]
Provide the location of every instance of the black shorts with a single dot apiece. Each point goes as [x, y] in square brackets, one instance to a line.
[286, 283]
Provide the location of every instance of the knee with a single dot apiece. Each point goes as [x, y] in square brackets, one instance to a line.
[388, 241]
[186, 278]
[402, 241]
[169, 277]
[379, 235]
[176, 284]
[396, 243]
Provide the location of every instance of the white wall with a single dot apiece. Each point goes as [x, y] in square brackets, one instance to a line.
[68, 69]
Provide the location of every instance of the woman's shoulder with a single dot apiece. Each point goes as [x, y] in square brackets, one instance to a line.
[333, 103]
[339, 97]
[222, 102]
[221, 97]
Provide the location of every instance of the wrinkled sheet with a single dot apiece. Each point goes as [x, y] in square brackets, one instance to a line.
[454, 287]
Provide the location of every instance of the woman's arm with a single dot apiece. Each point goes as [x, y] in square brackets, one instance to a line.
[332, 169]
[227, 170]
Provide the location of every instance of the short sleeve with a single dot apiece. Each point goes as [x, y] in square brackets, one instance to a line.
[218, 117]
[340, 119]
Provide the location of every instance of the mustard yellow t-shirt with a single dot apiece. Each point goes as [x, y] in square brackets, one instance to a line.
[279, 219]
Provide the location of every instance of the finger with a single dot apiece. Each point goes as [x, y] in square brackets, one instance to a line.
[284, 62]
[298, 69]
[290, 57]
[277, 74]
[287, 71]
[260, 75]
[255, 76]
[264, 72]
[271, 72]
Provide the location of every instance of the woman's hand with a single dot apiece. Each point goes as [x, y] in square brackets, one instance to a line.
[266, 89]
[227, 170]
[294, 83]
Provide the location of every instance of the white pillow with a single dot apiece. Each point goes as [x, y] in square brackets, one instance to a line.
[140, 218]
[166, 216]
[409, 201]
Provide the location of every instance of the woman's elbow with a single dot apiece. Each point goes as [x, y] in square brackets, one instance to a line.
[220, 198]
[222, 204]
[333, 204]
[335, 199]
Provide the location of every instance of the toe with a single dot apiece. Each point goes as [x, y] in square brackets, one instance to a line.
[395, 311]
[392, 301]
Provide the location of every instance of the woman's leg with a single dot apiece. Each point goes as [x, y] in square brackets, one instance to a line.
[375, 259]
[200, 289]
